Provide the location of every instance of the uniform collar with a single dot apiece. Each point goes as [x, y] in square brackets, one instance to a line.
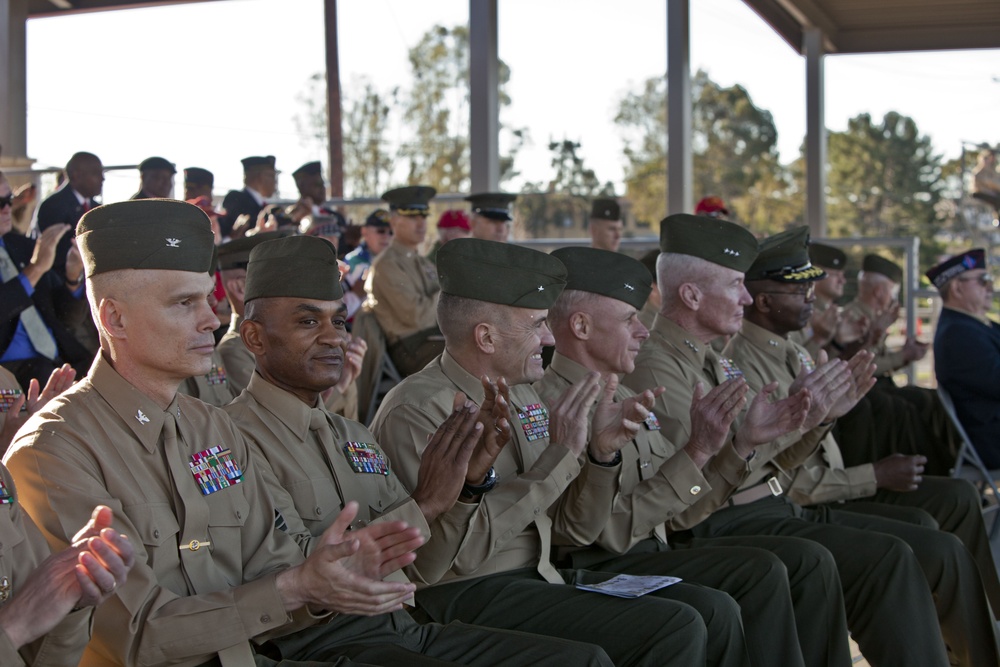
[399, 249]
[767, 341]
[142, 415]
[467, 383]
[285, 406]
[687, 346]
[568, 369]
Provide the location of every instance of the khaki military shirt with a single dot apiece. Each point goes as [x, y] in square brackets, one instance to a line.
[236, 358]
[540, 484]
[886, 361]
[100, 443]
[311, 483]
[9, 386]
[213, 387]
[22, 548]
[656, 484]
[674, 359]
[403, 291]
[808, 477]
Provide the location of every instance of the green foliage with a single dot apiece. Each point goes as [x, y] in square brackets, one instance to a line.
[368, 159]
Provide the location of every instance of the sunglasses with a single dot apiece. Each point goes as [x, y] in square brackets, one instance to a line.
[7, 201]
[986, 280]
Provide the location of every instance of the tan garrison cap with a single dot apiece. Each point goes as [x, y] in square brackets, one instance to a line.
[883, 266]
[146, 234]
[304, 267]
[502, 273]
[784, 257]
[606, 273]
[236, 254]
[605, 209]
[718, 241]
[827, 256]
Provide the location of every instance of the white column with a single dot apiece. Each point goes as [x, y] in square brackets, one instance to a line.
[484, 104]
[679, 161]
[815, 132]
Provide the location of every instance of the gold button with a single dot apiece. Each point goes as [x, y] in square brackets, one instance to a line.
[695, 490]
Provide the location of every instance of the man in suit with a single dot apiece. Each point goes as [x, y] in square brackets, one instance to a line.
[967, 348]
[156, 179]
[260, 181]
[36, 306]
[76, 196]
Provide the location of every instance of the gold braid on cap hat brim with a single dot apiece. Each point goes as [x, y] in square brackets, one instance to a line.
[411, 212]
[797, 274]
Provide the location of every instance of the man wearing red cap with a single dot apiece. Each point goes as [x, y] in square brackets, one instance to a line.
[712, 207]
[452, 225]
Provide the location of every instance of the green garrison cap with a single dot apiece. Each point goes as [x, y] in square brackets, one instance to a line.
[411, 200]
[606, 273]
[146, 234]
[303, 267]
[198, 176]
[605, 209]
[718, 241]
[492, 205]
[827, 256]
[784, 257]
[236, 254]
[878, 264]
[502, 273]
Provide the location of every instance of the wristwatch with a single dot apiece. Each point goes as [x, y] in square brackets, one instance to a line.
[610, 464]
[480, 489]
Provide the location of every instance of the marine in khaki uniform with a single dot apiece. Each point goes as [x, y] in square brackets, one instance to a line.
[877, 304]
[606, 224]
[491, 219]
[550, 478]
[316, 462]
[212, 571]
[889, 607]
[782, 302]
[403, 286]
[238, 361]
[596, 328]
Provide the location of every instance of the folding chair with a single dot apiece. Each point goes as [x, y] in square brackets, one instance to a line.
[969, 465]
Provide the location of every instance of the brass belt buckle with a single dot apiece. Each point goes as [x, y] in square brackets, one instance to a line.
[194, 545]
[775, 486]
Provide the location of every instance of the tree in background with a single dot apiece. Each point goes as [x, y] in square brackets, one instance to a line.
[884, 180]
[734, 146]
[368, 159]
[562, 206]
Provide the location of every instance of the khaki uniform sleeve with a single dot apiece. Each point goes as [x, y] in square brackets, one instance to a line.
[402, 306]
[671, 492]
[815, 483]
[9, 656]
[584, 509]
[473, 533]
[146, 623]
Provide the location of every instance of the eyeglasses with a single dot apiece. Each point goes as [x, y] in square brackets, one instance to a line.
[986, 280]
[807, 291]
[7, 201]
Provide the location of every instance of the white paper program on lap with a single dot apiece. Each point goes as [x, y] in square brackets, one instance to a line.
[629, 586]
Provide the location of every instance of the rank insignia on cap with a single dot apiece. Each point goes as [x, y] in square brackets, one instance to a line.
[729, 368]
[6, 498]
[140, 417]
[630, 288]
[808, 365]
[651, 422]
[173, 243]
[7, 399]
[541, 288]
[534, 420]
[216, 376]
[366, 457]
[214, 469]
[730, 251]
